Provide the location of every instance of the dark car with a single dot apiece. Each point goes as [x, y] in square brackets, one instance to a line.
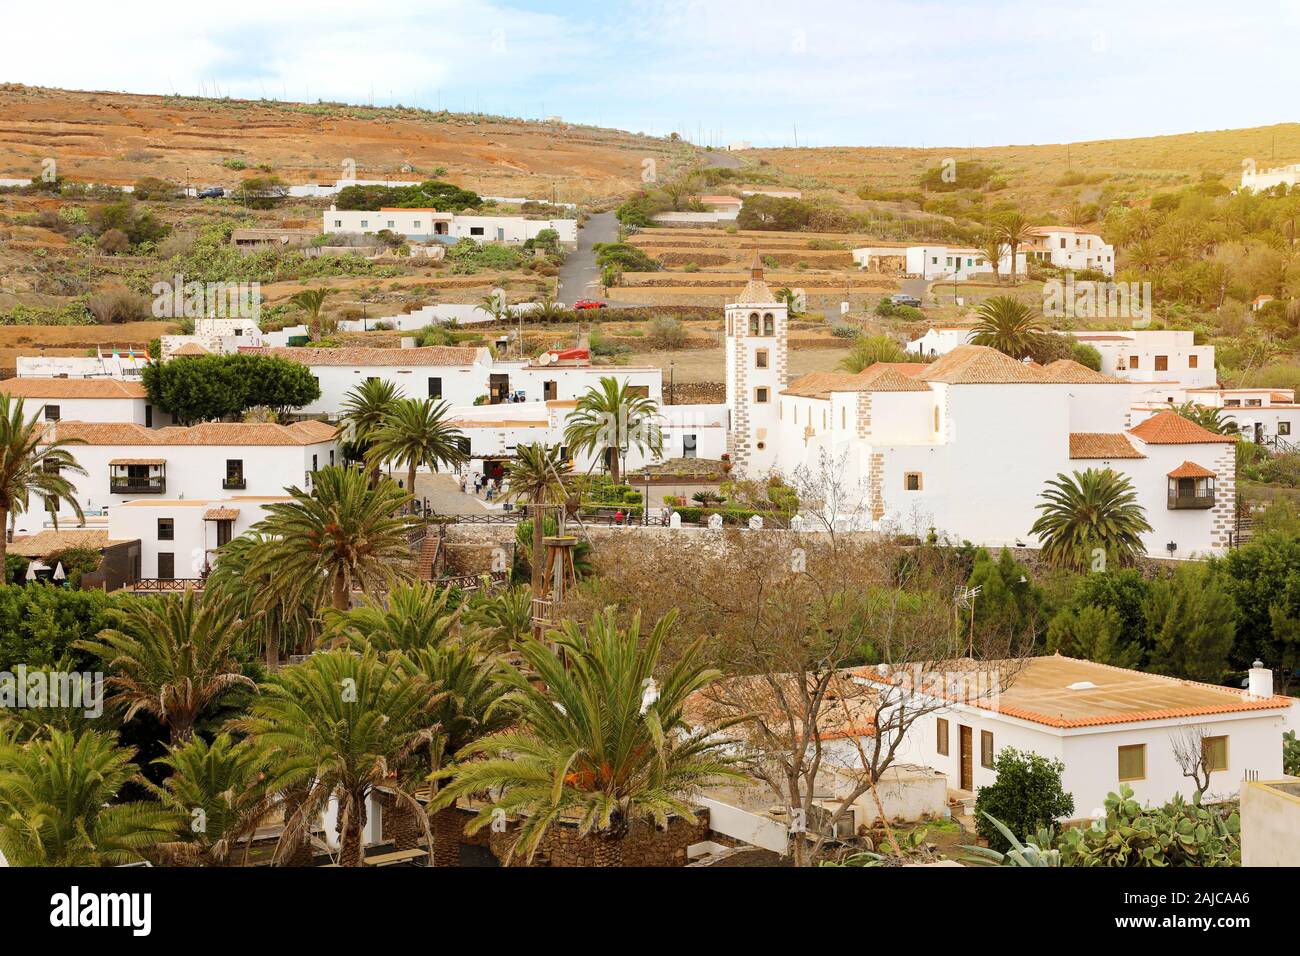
[911, 300]
[214, 192]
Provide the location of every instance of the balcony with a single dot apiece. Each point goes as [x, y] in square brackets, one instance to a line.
[123, 485]
[235, 483]
[1179, 502]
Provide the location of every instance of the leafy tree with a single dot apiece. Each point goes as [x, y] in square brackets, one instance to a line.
[867, 350]
[1088, 515]
[57, 806]
[1263, 577]
[171, 658]
[783, 214]
[32, 465]
[215, 387]
[594, 741]
[1027, 795]
[1008, 325]
[1093, 633]
[1192, 619]
[343, 533]
[40, 624]
[435, 194]
[1009, 601]
[151, 188]
[415, 433]
[609, 419]
[1122, 590]
[263, 192]
[1086, 355]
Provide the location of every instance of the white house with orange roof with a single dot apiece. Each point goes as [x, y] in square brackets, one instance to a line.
[1266, 416]
[940, 340]
[1071, 248]
[85, 399]
[127, 462]
[1109, 727]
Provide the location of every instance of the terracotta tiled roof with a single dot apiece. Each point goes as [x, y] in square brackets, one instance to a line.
[362, 357]
[1064, 692]
[848, 709]
[876, 378]
[221, 514]
[910, 369]
[209, 433]
[1102, 445]
[1170, 428]
[1189, 469]
[71, 388]
[980, 365]
[1075, 373]
[49, 542]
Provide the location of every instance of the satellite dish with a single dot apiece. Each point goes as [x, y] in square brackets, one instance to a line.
[545, 358]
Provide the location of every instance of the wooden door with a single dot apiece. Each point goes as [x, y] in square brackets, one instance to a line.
[967, 758]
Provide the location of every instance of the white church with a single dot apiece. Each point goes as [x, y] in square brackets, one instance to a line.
[965, 445]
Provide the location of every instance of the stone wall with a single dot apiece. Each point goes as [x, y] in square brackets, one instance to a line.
[645, 845]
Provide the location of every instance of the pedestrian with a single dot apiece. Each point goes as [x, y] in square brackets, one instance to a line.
[618, 516]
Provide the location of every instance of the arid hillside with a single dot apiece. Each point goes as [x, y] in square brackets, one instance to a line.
[117, 138]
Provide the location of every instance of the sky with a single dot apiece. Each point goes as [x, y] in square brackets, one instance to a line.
[770, 72]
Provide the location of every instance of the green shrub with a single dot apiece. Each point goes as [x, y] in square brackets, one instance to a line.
[1026, 796]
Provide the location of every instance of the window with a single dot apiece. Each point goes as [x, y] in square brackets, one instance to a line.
[1232, 403]
[769, 324]
[986, 749]
[435, 387]
[1191, 361]
[1063, 242]
[1133, 762]
[934, 260]
[760, 358]
[331, 457]
[365, 223]
[51, 413]
[1284, 428]
[166, 565]
[166, 529]
[476, 230]
[1133, 361]
[760, 395]
[313, 462]
[148, 416]
[941, 736]
[689, 446]
[1162, 363]
[391, 224]
[753, 323]
[912, 481]
[1216, 753]
[338, 223]
[416, 224]
[1254, 402]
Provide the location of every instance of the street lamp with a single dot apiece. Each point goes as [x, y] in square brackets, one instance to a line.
[1171, 547]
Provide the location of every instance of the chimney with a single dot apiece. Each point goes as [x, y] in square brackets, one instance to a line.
[1259, 681]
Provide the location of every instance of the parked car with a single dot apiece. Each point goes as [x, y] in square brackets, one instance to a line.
[589, 304]
[902, 299]
[213, 192]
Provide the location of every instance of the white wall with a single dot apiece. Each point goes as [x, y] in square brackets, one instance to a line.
[79, 366]
[194, 539]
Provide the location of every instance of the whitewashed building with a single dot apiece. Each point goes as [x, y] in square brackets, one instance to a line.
[1266, 416]
[1109, 726]
[1262, 179]
[1156, 356]
[940, 340]
[125, 363]
[429, 224]
[1071, 247]
[85, 399]
[128, 462]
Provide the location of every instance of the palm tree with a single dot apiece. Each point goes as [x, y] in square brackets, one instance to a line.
[415, 433]
[506, 616]
[867, 350]
[364, 409]
[992, 246]
[1008, 325]
[494, 304]
[1089, 515]
[468, 703]
[57, 809]
[1208, 417]
[344, 534]
[277, 617]
[1014, 230]
[170, 658]
[32, 461]
[221, 789]
[609, 419]
[537, 476]
[407, 618]
[790, 298]
[311, 301]
[597, 740]
[337, 724]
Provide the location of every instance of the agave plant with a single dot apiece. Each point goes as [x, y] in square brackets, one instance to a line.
[1035, 851]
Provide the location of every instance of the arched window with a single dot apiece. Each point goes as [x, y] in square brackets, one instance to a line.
[769, 324]
[753, 323]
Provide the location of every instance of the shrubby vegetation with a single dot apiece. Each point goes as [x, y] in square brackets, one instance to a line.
[208, 387]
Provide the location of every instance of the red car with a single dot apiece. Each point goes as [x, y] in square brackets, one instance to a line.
[589, 304]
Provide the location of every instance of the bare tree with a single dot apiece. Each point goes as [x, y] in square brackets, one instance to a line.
[1191, 755]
